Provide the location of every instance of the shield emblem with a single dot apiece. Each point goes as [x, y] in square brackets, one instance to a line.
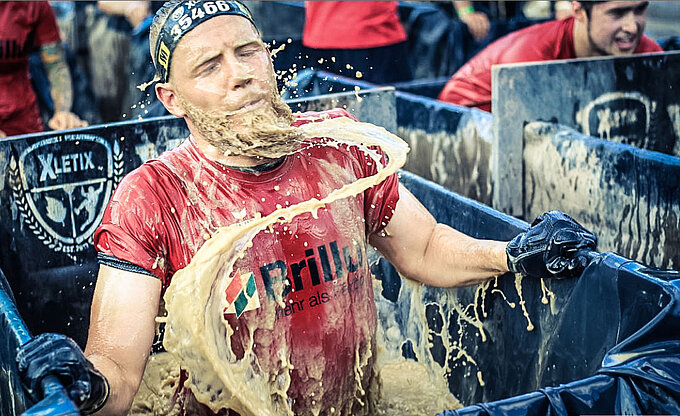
[62, 185]
[623, 117]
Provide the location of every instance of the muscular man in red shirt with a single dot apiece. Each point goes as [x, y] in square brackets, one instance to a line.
[595, 29]
[325, 255]
[244, 157]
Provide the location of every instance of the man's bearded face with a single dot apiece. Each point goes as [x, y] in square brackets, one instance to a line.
[263, 132]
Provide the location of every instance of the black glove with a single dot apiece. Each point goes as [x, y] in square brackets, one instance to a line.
[550, 247]
[58, 355]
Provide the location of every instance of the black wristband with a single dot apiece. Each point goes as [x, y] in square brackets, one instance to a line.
[100, 390]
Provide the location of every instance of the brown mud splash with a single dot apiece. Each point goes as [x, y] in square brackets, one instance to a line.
[196, 333]
[199, 338]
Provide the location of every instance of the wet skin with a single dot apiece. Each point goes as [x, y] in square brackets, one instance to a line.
[220, 71]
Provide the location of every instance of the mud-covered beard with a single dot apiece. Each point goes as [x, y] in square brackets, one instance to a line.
[264, 133]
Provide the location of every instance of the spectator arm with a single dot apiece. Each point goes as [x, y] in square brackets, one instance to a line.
[54, 61]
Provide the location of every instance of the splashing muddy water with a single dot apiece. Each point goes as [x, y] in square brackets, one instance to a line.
[199, 337]
[196, 332]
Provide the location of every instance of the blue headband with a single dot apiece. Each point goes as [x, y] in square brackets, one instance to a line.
[183, 18]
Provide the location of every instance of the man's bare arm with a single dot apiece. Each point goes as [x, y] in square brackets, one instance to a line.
[61, 89]
[122, 328]
[477, 22]
[436, 254]
[53, 59]
[134, 11]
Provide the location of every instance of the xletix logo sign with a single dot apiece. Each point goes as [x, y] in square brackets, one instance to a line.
[61, 186]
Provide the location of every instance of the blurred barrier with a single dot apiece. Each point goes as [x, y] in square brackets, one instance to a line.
[639, 375]
[54, 189]
[310, 83]
[12, 398]
[631, 100]
[426, 87]
[375, 106]
[629, 195]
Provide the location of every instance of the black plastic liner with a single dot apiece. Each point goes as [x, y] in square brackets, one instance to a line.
[610, 343]
[640, 375]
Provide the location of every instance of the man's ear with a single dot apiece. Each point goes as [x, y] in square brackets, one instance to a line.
[167, 95]
[578, 12]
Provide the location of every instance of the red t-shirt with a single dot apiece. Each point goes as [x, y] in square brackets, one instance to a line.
[470, 86]
[352, 24]
[160, 213]
[24, 25]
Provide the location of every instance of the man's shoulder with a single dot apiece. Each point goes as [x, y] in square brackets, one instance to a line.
[157, 172]
[648, 45]
[537, 42]
[140, 182]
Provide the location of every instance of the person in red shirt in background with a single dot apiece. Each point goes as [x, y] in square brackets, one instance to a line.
[360, 39]
[595, 29]
[25, 25]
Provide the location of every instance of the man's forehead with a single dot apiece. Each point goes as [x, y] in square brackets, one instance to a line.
[624, 5]
[231, 30]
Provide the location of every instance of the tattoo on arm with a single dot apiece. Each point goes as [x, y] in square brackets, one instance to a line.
[460, 4]
[54, 60]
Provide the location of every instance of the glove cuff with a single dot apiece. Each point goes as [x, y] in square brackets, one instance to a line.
[508, 258]
[100, 394]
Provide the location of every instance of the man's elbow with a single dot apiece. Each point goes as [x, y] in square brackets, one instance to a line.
[410, 271]
[123, 385]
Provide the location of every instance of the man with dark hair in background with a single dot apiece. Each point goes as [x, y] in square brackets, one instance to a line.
[610, 28]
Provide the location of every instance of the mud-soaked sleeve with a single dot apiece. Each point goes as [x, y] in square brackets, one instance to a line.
[381, 199]
[132, 236]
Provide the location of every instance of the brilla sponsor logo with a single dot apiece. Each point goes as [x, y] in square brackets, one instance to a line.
[325, 263]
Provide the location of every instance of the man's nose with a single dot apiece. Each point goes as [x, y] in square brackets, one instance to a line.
[630, 23]
[239, 75]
